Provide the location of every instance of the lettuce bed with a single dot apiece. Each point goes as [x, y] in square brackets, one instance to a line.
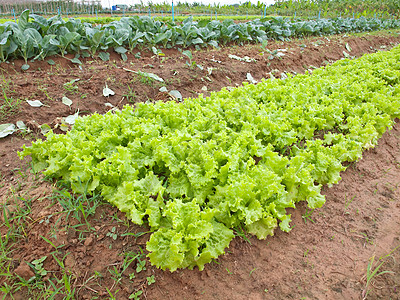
[196, 170]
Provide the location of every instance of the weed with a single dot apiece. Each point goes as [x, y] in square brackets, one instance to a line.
[16, 217]
[37, 266]
[347, 203]
[191, 63]
[79, 207]
[240, 232]
[150, 280]
[112, 234]
[307, 216]
[145, 79]
[373, 272]
[306, 252]
[116, 275]
[71, 87]
[136, 295]
[141, 265]
[130, 95]
[9, 106]
[52, 244]
[367, 239]
[44, 90]
[5, 260]
[112, 296]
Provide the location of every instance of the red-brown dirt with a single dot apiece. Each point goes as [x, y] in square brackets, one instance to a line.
[325, 256]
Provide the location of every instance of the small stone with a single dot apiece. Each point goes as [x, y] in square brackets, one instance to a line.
[88, 241]
[70, 261]
[24, 271]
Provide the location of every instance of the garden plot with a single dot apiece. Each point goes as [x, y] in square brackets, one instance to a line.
[69, 242]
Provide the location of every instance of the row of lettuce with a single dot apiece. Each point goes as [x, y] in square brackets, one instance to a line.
[195, 171]
[35, 37]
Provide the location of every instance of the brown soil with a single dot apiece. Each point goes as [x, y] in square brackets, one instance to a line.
[325, 256]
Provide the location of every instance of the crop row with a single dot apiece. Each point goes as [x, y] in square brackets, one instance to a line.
[195, 171]
[106, 20]
[35, 37]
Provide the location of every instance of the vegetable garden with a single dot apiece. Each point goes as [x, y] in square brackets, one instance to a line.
[198, 183]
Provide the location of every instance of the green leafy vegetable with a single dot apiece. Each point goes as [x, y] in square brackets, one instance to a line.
[196, 169]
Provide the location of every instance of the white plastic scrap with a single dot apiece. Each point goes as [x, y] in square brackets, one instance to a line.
[176, 94]
[245, 59]
[6, 129]
[21, 125]
[34, 103]
[72, 118]
[66, 101]
[250, 78]
[108, 92]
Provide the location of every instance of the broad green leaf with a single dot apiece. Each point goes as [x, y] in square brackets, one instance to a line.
[188, 53]
[120, 50]
[76, 61]
[104, 56]
[23, 20]
[34, 36]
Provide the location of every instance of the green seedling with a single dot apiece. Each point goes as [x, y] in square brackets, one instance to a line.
[112, 234]
[80, 207]
[240, 232]
[112, 296]
[347, 203]
[307, 216]
[9, 106]
[191, 63]
[372, 273]
[141, 265]
[136, 295]
[146, 80]
[37, 266]
[71, 87]
[130, 95]
[157, 52]
[150, 280]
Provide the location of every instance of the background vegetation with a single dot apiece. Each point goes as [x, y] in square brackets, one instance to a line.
[300, 8]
